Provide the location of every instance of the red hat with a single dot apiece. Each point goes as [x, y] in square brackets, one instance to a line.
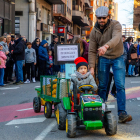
[80, 61]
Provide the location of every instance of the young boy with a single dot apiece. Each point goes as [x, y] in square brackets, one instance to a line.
[2, 65]
[82, 76]
[30, 60]
[51, 63]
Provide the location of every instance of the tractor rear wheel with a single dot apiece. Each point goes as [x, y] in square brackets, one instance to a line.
[71, 125]
[61, 117]
[48, 109]
[37, 104]
[110, 124]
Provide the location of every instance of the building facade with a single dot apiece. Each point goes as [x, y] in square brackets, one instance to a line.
[7, 17]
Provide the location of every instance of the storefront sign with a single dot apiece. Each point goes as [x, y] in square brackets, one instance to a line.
[61, 30]
[44, 27]
[1, 20]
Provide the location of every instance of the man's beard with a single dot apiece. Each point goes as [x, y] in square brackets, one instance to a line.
[102, 25]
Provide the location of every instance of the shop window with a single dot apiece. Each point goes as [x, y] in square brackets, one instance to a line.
[17, 25]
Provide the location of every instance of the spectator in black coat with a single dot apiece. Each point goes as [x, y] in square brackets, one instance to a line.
[19, 53]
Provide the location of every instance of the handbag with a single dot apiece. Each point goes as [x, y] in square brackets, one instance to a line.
[0, 61]
[134, 56]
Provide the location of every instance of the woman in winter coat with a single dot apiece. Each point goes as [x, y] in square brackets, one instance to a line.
[2, 65]
[83, 47]
[43, 58]
[129, 42]
[132, 62]
[35, 45]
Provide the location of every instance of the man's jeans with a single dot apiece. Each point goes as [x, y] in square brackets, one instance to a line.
[1, 76]
[19, 71]
[131, 69]
[118, 67]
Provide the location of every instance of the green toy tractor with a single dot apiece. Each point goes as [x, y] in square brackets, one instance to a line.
[88, 111]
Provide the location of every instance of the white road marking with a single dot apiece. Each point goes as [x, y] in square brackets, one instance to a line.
[25, 121]
[37, 86]
[43, 134]
[138, 98]
[110, 106]
[27, 109]
[134, 82]
[138, 105]
[9, 88]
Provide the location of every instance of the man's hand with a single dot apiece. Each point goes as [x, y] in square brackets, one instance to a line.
[129, 61]
[92, 71]
[23, 65]
[34, 63]
[103, 50]
[51, 64]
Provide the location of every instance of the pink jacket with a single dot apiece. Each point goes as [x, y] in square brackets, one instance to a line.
[2, 58]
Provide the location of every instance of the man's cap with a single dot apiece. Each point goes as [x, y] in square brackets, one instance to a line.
[80, 61]
[102, 11]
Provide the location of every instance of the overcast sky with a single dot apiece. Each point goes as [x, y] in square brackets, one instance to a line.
[125, 12]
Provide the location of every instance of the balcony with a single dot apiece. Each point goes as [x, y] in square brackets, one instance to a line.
[87, 3]
[77, 15]
[59, 12]
[55, 1]
[86, 21]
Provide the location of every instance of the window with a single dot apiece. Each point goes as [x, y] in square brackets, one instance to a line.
[17, 25]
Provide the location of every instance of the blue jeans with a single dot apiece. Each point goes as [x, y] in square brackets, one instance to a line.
[19, 71]
[118, 67]
[131, 69]
[136, 70]
[1, 76]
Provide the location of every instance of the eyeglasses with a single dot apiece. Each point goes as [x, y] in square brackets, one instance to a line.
[102, 18]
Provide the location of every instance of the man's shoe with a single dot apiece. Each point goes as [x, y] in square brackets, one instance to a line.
[6, 82]
[27, 81]
[15, 83]
[33, 80]
[20, 82]
[137, 75]
[129, 76]
[123, 118]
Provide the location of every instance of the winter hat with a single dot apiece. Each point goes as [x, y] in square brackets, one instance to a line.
[80, 61]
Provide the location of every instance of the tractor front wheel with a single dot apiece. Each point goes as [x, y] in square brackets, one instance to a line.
[71, 125]
[110, 124]
[37, 104]
[48, 109]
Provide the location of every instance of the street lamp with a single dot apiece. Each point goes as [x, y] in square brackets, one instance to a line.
[125, 28]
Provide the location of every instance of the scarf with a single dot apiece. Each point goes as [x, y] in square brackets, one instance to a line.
[80, 76]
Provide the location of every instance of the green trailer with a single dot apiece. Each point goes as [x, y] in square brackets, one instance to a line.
[52, 90]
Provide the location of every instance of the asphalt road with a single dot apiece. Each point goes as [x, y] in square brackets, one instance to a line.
[19, 122]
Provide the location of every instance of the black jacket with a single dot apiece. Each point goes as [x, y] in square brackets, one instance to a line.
[19, 51]
[131, 51]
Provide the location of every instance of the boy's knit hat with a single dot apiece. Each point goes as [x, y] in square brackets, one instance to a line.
[80, 61]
